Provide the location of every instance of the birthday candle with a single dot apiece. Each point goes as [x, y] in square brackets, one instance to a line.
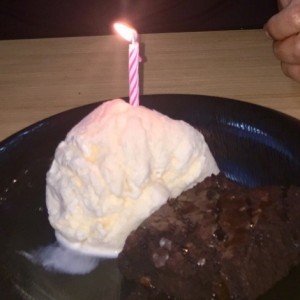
[133, 61]
[133, 69]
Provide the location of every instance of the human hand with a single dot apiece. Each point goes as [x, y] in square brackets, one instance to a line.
[284, 29]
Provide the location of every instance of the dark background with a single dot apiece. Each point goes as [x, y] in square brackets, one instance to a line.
[57, 18]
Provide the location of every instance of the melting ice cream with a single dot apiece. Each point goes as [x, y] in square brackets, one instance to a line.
[116, 167]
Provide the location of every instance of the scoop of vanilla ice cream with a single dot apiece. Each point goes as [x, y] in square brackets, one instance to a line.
[116, 167]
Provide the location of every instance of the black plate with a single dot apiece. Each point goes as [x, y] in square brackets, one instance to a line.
[252, 145]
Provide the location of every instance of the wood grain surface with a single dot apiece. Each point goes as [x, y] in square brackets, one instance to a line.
[41, 77]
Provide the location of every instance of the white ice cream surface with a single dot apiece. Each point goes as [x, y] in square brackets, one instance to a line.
[116, 167]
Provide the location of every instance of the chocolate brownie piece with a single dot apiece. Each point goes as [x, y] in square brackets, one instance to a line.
[217, 240]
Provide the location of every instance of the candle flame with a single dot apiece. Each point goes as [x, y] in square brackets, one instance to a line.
[126, 32]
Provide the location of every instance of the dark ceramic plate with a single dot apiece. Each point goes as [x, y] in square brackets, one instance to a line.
[252, 145]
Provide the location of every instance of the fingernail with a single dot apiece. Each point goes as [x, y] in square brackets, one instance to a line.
[268, 35]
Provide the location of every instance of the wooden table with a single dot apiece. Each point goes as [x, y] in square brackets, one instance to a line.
[41, 77]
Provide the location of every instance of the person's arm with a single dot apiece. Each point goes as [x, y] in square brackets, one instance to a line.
[284, 29]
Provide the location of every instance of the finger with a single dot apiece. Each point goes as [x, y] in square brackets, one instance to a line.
[292, 71]
[288, 50]
[283, 3]
[285, 23]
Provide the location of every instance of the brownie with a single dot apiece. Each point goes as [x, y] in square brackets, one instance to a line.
[218, 240]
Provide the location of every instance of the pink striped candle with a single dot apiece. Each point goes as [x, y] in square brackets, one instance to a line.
[133, 61]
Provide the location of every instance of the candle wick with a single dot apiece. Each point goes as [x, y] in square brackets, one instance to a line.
[134, 38]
